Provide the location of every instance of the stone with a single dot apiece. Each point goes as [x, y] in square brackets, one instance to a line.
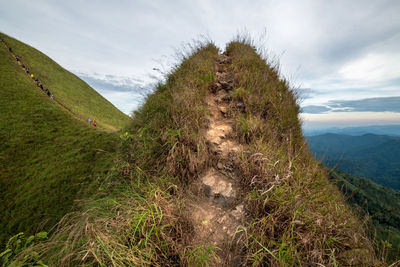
[223, 110]
[220, 165]
[225, 85]
[215, 87]
[218, 184]
[241, 106]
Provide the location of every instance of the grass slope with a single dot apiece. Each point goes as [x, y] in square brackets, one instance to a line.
[295, 217]
[68, 89]
[48, 158]
[381, 203]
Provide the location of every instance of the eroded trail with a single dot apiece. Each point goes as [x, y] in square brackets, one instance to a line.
[215, 209]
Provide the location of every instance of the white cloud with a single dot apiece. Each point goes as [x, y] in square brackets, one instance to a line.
[372, 68]
[350, 119]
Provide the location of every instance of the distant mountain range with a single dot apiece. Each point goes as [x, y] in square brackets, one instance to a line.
[391, 130]
[373, 156]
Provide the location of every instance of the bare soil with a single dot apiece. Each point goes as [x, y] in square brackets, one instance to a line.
[215, 209]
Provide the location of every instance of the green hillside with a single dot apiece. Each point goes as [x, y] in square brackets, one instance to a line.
[67, 88]
[48, 157]
[381, 203]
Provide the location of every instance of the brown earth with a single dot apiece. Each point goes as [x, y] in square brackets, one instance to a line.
[215, 209]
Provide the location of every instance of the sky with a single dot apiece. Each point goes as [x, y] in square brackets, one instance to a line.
[342, 56]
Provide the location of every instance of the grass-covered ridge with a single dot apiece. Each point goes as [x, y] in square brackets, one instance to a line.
[48, 158]
[68, 89]
[294, 216]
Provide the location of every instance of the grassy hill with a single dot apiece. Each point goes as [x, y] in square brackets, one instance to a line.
[68, 89]
[374, 156]
[48, 157]
[142, 217]
[381, 203]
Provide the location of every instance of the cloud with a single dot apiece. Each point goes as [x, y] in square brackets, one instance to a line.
[307, 93]
[377, 104]
[336, 49]
[313, 109]
[346, 119]
[126, 93]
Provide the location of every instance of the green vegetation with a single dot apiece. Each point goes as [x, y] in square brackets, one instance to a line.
[296, 217]
[48, 158]
[135, 217]
[19, 243]
[381, 203]
[374, 156]
[68, 89]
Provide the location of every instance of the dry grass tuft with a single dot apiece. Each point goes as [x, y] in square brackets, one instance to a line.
[296, 216]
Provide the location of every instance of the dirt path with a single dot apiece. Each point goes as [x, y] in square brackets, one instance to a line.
[215, 210]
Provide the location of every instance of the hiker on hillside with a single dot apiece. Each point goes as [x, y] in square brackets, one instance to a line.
[27, 70]
[89, 120]
[32, 76]
[9, 49]
[2, 39]
[17, 58]
[48, 93]
[52, 96]
[41, 86]
[23, 66]
[94, 123]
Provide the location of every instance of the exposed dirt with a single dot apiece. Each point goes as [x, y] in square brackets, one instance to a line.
[215, 208]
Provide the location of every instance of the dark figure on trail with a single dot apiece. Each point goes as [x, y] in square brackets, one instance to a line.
[27, 70]
[17, 58]
[41, 86]
[48, 93]
[94, 123]
[2, 39]
[9, 49]
[23, 66]
[37, 80]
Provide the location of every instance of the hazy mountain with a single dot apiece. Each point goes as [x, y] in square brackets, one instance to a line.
[373, 156]
[391, 130]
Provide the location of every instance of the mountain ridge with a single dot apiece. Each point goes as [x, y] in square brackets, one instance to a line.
[176, 149]
[68, 89]
[369, 155]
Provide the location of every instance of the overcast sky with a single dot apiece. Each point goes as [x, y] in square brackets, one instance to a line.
[344, 55]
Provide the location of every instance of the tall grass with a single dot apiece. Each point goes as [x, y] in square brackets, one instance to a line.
[136, 217]
[296, 216]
